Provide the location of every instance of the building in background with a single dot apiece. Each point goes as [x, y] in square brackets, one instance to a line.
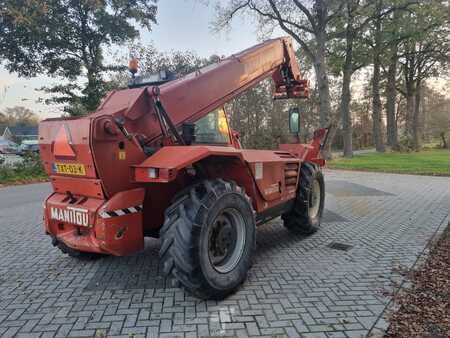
[18, 133]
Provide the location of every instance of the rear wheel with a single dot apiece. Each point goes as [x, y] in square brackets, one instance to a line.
[305, 216]
[208, 238]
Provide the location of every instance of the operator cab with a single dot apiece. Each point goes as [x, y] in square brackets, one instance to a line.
[212, 128]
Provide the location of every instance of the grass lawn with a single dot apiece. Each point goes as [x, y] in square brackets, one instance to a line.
[426, 162]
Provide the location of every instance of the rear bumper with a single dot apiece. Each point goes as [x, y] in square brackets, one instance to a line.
[88, 224]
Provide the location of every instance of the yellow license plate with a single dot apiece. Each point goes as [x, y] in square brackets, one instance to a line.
[70, 169]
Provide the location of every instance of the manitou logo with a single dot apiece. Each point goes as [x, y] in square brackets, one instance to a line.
[70, 215]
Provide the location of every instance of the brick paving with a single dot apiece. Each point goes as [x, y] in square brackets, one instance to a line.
[297, 287]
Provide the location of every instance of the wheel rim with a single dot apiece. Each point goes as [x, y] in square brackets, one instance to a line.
[226, 240]
[314, 201]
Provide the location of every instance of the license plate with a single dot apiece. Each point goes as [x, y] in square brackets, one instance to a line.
[69, 168]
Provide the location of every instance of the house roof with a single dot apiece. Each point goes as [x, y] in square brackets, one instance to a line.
[24, 130]
[2, 129]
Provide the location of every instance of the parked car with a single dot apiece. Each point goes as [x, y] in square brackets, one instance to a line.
[29, 146]
[8, 147]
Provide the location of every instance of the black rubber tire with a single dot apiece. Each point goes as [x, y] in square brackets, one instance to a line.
[184, 250]
[298, 219]
[85, 256]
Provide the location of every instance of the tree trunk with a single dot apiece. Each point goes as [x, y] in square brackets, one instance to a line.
[320, 68]
[444, 140]
[346, 92]
[324, 93]
[376, 103]
[346, 115]
[320, 63]
[416, 123]
[391, 98]
[410, 102]
[409, 70]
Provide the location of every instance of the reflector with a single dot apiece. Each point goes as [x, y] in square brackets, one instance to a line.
[63, 144]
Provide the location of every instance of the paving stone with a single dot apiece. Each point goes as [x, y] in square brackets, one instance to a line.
[297, 287]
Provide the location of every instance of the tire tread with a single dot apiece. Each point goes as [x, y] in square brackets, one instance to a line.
[182, 223]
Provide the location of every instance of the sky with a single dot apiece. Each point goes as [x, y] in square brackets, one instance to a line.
[182, 25]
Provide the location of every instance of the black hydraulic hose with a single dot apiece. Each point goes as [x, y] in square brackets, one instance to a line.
[169, 122]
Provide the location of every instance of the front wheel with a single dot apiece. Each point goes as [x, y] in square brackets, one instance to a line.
[305, 217]
[208, 239]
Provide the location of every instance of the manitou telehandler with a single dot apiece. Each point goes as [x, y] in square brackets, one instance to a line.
[160, 159]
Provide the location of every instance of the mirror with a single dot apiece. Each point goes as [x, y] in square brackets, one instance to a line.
[294, 120]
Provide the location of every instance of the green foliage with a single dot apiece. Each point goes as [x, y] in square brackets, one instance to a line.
[406, 144]
[66, 38]
[152, 61]
[430, 162]
[30, 169]
[179, 62]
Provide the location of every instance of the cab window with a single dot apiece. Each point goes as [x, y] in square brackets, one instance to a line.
[213, 128]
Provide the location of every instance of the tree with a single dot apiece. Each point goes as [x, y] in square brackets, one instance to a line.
[394, 31]
[348, 54]
[360, 46]
[151, 61]
[18, 116]
[383, 37]
[260, 121]
[307, 23]
[423, 55]
[376, 100]
[438, 116]
[66, 39]
[394, 27]
[178, 62]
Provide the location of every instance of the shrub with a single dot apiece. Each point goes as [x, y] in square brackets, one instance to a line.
[30, 168]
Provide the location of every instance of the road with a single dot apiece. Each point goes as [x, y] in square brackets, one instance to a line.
[297, 286]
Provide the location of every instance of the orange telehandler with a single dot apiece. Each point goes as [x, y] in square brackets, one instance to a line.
[160, 159]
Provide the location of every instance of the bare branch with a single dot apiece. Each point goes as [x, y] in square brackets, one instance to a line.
[308, 14]
[235, 10]
[289, 31]
[274, 8]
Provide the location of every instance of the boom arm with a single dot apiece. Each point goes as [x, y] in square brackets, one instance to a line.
[195, 95]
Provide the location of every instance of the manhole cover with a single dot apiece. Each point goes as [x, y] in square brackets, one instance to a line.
[340, 246]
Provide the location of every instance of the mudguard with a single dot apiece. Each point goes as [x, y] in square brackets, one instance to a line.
[167, 161]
